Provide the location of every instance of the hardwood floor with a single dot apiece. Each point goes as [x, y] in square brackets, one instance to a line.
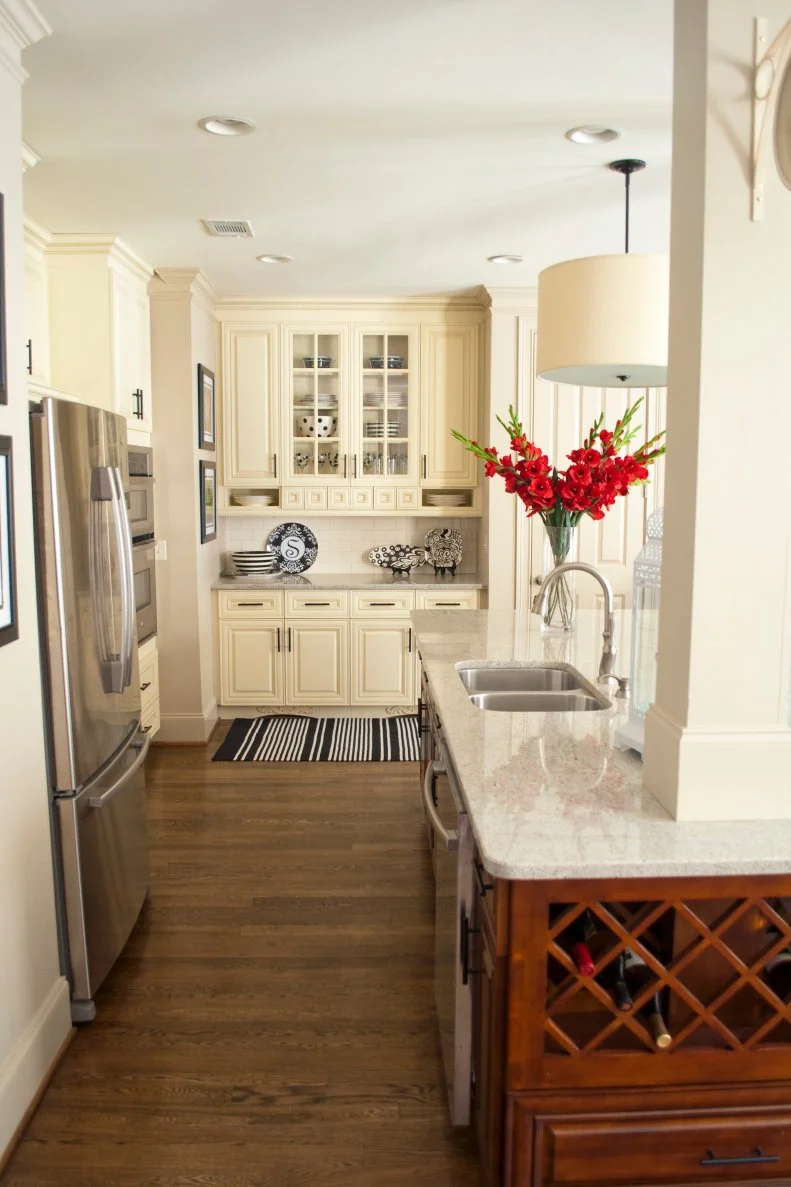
[271, 1022]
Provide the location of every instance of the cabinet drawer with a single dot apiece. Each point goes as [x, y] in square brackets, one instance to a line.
[739, 1146]
[149, 718]
[252, 603]
[317, 603]
[387, 604]
[464, 599]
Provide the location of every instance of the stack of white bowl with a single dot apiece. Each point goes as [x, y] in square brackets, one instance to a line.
[255, 564]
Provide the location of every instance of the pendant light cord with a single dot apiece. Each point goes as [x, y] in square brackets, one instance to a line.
[627, 182]
[627, 168]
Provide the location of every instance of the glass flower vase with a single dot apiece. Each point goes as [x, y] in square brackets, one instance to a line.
[560, 546]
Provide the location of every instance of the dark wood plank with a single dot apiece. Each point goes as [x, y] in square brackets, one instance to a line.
[271, 1022]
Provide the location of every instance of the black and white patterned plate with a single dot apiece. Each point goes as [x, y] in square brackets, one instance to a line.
[398, 557]
[295, 545]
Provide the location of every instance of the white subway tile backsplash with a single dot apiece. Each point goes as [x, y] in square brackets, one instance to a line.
[344, 542]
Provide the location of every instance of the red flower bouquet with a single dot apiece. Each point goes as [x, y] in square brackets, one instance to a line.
[598, 473]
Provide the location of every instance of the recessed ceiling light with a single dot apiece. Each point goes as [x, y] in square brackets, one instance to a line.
[592, 134]
[504, 259]
[226, 125]
[273, 259]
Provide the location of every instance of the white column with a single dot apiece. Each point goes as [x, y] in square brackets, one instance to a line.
[717, 742]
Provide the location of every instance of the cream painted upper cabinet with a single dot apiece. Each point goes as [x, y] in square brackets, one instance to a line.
[36, 353]
[317, 431]
[384, 395]
[449, 399]
[251, 405]
[99, 324]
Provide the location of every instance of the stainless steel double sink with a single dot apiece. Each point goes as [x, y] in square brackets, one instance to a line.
[549, 688]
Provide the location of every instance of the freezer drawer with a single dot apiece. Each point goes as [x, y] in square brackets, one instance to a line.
[104, 855]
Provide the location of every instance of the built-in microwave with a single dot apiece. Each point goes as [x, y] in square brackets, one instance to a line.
[140, 500]
[145, 582]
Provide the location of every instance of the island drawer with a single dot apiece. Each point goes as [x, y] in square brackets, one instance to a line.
[463, 599]
[317, 603]
[741, 1146]
[387, 604]
[251, 603]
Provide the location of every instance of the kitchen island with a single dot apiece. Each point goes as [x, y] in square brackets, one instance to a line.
[689, 1079]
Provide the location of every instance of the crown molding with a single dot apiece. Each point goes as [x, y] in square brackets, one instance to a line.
[512, 300]
[21, 25]
[30, 157]
[36, 235]
[117, 250]
[169, 283]
[466, 299]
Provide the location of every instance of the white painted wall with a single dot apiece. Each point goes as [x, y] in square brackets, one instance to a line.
[182, 335]
[34, 999]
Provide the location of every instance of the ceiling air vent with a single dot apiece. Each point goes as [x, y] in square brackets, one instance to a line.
[228, 228]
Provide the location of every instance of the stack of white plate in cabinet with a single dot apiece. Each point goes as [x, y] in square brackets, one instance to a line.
[436, 499]
[255, 564]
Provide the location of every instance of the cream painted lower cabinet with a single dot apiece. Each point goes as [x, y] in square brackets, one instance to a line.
[148, 664]
[251, 663]
[383, 663]
[323, 647]
[317, 662]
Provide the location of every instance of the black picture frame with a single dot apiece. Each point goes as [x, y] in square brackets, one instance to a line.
[9, 625]
[208, 501]
[3, 345]
[207, 419]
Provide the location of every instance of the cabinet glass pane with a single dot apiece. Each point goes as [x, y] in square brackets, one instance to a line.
[373, 460]
[373, 350]
[373, 391]
[315, 406]
[397, 458]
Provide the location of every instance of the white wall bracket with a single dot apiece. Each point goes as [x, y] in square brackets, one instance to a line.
[769, 72]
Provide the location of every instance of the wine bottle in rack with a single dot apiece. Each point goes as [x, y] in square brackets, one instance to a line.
[777, 975]
[637, 976]
[618, 986]
[581, 932]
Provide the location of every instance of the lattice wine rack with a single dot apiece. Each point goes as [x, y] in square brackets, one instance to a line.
[708, 967]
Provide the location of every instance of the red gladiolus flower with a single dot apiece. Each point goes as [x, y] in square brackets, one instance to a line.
[591, 457]
[490, 469]
[580, 474]
[538, 467]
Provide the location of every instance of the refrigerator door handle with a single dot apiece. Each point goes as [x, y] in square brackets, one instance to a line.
[103, 491]
[128, 589]
[99, 801]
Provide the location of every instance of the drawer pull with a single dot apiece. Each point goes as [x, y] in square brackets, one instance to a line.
[748, 1159]
[381, 603]
[249, 603]
[485, 887]
[316, 603]
[447, 603]
[143, 687]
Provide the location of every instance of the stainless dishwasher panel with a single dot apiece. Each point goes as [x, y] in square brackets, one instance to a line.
[454, 893]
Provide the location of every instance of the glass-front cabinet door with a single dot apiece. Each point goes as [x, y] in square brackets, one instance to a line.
[318, 434]
[387, 390]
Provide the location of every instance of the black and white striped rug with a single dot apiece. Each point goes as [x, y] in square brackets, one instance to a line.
[292, 738]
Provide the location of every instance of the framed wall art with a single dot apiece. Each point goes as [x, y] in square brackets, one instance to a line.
[3, 346]
[9, 627]
[207, 426]
[208, 501]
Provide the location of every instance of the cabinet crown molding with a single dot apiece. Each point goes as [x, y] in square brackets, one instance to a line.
[30, 158]
[467, 299]
[517, 300]
[35, 234]
[117, 250]
[170, 283]
[21, 25]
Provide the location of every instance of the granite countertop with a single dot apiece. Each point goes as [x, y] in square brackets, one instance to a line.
[548, 795]
[376, 579]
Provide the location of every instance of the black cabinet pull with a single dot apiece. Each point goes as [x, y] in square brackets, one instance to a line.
[288, 638]
[317, 603]
[447, 603]
[747, 1159]
[278, 640]
[30, 356]
[249, 603]
[137, 403]
[143, 687]
[464, 948]
[381, 603]
[485, 887]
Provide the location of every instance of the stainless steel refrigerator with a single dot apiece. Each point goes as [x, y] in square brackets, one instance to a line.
[96, 748]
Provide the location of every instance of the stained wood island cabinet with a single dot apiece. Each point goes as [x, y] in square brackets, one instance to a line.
[629, 1030]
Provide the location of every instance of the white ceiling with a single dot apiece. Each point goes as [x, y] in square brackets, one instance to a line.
[399, 143]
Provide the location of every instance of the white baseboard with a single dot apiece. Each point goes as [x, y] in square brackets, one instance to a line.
[190, 728]
[22, 1073]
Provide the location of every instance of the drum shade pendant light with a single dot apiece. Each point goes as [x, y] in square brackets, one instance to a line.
[602, 320]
